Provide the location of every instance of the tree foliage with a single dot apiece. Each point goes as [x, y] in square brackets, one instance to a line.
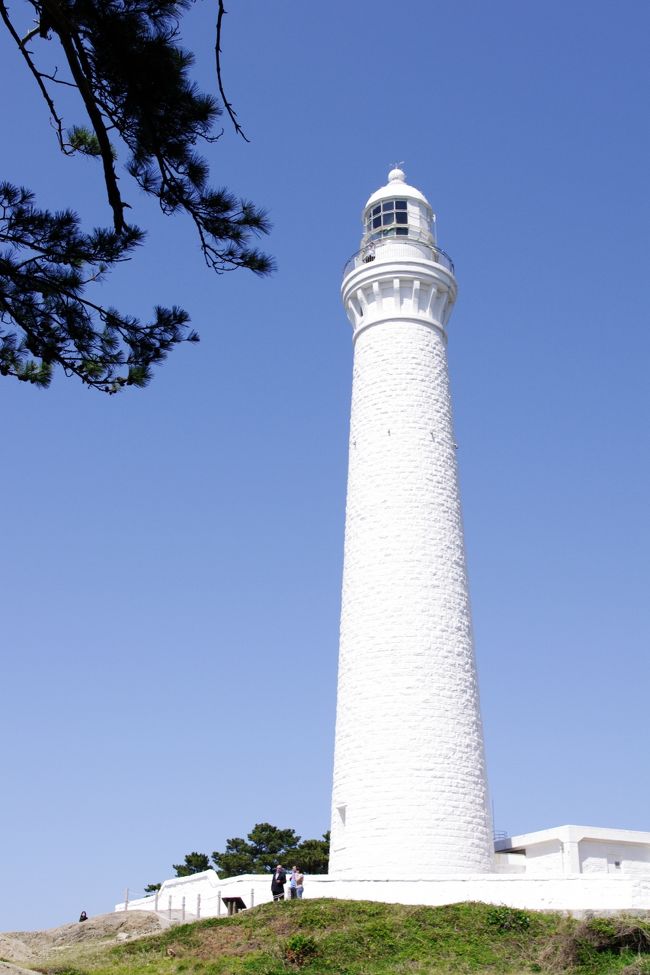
[267, 845]
[43, 275]
[314, 855]
[139, 105]
[194, 863]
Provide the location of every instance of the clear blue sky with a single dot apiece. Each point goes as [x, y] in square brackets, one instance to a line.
[171, 558]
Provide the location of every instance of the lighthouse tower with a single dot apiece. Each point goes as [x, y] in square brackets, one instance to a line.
[410, 795]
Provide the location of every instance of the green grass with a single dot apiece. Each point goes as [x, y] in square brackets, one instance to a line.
[328, 937]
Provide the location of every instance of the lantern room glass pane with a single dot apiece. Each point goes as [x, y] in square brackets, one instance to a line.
[400, 204]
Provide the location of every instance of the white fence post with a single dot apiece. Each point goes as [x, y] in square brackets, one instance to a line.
[126, 899]
[169, 907]
[155, 903]
[183, 909]
[252, 897]
[198, 907]
[219, 903]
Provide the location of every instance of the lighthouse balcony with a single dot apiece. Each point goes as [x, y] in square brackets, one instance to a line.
[389, 247]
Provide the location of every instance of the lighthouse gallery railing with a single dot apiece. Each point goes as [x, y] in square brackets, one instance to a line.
[400, 248]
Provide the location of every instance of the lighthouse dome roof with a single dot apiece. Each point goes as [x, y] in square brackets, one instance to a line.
[396, 186]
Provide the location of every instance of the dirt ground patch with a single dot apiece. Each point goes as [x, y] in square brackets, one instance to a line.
[229, 941]
[6, 968]
[30, 947]
[234, 939]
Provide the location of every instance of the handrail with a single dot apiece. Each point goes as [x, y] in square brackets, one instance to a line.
[369, 252]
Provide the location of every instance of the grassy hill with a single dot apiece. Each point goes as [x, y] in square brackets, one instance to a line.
[329, 937]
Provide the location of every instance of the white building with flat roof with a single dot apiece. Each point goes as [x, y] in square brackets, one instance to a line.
[570, 850]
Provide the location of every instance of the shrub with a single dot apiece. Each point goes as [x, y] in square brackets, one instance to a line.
[615, 934]
[508, 919]
[590, 942]
[298, 949]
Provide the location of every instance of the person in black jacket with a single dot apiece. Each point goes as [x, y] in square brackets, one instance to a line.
[278, 881]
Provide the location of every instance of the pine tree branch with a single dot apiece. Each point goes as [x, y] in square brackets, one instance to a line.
[134, 82]
[57, 81]
[217, 50]
[32, 33]
[36, 73]
[71, 44]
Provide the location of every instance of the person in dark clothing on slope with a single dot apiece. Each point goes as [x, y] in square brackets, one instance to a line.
[278, 881]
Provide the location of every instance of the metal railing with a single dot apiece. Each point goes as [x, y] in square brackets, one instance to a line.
[400, 247]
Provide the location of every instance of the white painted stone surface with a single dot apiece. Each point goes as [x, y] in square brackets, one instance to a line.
[509, 863]
[410, 790]
[630, 859]
[546, 859]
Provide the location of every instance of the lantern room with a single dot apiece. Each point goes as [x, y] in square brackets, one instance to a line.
[398, 210]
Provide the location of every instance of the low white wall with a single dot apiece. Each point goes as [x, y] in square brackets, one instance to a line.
[252, 888]
[584, 892]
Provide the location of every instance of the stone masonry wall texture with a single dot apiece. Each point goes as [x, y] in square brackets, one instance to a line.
[410, 792]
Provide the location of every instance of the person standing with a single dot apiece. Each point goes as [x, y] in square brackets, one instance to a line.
[278, 881]
[293, 883]
[300, 883]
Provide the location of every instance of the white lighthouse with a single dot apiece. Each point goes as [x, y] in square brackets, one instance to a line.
[410, 811]
[410, 796]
